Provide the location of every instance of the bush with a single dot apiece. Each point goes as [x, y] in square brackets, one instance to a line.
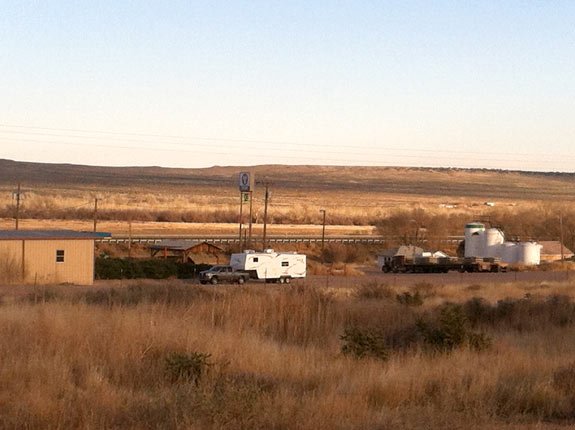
[409, 299]
[132, 268]
[187, 367]
[364, 343]
[451, 330]
[522, 315]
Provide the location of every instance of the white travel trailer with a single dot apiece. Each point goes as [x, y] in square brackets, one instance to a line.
[270, 265]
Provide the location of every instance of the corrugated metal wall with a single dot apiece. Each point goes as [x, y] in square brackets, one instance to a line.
[41, 265]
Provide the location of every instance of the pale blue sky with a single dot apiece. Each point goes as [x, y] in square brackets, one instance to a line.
[197, 83]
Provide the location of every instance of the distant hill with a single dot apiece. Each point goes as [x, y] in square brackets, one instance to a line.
[386, 180]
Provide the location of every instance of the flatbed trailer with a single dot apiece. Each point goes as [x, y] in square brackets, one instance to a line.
[400, 264]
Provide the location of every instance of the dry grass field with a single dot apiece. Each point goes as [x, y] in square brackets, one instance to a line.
[348, 355]
[177, 356]
[356, 199]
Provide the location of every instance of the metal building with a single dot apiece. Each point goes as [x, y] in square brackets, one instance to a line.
[47, 256]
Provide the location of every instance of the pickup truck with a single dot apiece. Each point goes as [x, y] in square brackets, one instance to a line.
[219, 274]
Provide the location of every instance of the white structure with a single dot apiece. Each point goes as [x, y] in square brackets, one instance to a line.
[490, 243]
[529, 253]
[494, 238]
[270, 265]
[436, 254]
[474, 239]
[509, 252]
[407, 251]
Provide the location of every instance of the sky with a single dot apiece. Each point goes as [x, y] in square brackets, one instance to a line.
[197, 83]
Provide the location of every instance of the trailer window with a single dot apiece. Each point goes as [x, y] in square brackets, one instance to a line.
[59, 256]
[285, 263]
[255, 260]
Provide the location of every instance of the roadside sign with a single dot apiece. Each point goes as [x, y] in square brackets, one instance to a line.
[246, 182]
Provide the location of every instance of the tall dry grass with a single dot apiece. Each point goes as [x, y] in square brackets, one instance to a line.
[412, 221]
[10, 269]
[96, 358]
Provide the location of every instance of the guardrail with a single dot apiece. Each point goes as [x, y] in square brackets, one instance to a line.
[230, 240]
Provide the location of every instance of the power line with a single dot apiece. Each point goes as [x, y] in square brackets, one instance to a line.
[242, 140]
[220, 151]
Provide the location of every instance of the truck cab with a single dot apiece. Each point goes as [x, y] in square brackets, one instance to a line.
[224, 274]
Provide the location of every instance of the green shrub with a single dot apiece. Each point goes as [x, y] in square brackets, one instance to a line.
[133, 268]
[364, 343]
[477, 310]
[451, 330]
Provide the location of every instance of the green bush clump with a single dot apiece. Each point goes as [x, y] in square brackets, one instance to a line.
[133, 268]
[452, 330]
[364, 343]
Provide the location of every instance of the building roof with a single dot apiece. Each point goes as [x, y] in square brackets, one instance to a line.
[180, 245]
[553, 247]
[50, 235]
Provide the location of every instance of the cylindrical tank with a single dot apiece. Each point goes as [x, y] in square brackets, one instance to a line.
[509, 252]
[493, 240]
[529, 253]
[474, 241]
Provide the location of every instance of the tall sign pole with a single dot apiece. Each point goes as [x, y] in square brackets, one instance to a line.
[251, 194]
[266, 198]
[246, 186]
[241, 219]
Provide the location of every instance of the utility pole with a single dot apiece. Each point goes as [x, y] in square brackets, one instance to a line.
[561, 235]
[95, 213]
[323, 229]
[267, 196]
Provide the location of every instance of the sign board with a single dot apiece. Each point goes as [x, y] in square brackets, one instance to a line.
[246, 182]
[245, 197]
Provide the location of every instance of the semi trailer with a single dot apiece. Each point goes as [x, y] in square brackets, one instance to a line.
[401, 264]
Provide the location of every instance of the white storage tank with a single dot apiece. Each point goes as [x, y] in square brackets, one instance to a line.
[529, 253]
[474, 239]
[509, 252]
[494, 238]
